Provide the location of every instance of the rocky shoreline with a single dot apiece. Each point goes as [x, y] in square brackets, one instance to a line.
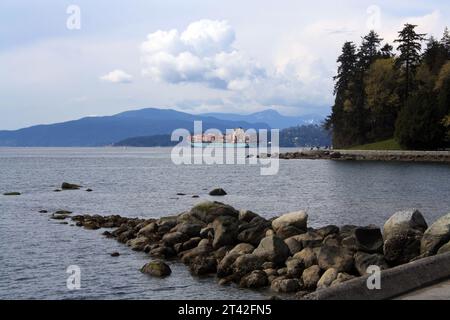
[282, 253]
[404, 156]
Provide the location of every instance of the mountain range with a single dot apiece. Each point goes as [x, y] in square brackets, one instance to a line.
[107, 130]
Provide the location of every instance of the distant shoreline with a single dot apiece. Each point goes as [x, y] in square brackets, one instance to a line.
[370, 155]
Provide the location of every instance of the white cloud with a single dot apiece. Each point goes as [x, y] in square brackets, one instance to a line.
[203, 53]
[117, 76]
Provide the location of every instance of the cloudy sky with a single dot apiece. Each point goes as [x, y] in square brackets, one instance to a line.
[195, 56]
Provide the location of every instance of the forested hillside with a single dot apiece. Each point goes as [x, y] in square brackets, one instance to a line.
[380, 94]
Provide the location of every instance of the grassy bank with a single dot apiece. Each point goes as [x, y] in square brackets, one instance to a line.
[390, 144]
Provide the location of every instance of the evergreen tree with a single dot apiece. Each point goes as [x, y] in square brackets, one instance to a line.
[446, 41]
[434, 56]
[409, 46]
[387, 51]
[340, 120]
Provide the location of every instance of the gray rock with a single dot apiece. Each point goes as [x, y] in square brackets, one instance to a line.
[253, 232]
[162, 252]
[307, 256]
[200, 250]
[138, 244]
[339, 258]
[283, 285]
[189, 229]
[402, 235]
[311, 277]
[327, 278]
[243, 248]
[285, 232]
[296, 219]
[272, 249]
[310, 239]
[225, 231]
[293, 245]
[363, 260]
[436, 236]
[202, 265]
[341, 278]
[294, 267]
[156, 268]
[217, 192]
[148, 230]
[190, 244]
[327, 230]
[368, 239]
[69, 186]
[209, 211]
[170, 239]
[247, 263]
[12, 194]
[256, 279]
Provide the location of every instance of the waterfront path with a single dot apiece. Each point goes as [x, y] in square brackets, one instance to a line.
[439, 291]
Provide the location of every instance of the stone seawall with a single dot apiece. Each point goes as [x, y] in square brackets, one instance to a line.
[370, 155]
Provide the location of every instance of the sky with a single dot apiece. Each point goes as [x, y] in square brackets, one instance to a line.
[63, 60]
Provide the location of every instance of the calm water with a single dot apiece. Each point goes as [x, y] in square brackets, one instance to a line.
[35, 251]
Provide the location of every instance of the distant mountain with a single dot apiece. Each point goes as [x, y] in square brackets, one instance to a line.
[102, 131]
[271, 117]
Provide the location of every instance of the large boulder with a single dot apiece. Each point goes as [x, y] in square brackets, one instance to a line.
[272, 249]
[203, 265]
[156, 268]
[170, 239]
[402, 234]
[209, 211]
[293, 244]
[225, 231]
[189, 229]
[256, 279]
[201, 250]
[339, 258]
[310, 239]
[327, 278]
[307, 256]
[311, 277]
[138, 244]
[149, 230]
[296, 219]
[436, 236]
[247, 263]
[254, 231]
[368, 239]
[363, 260]
[242, 248]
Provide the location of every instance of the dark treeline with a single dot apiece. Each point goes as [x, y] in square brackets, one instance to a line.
[305, 136]
[380, 94]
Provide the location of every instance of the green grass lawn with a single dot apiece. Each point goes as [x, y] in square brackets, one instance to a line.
[390, 144]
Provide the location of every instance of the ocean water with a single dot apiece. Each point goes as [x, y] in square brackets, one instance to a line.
[143, 182]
